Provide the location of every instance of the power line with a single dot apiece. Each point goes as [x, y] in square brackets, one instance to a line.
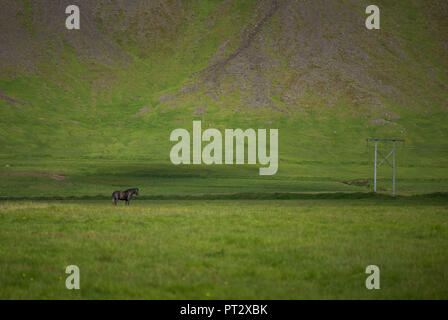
[392, 152]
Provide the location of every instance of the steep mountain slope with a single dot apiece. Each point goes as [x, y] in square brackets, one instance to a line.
[136, 70]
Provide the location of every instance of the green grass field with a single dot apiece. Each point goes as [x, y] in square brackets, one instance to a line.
[86, 112]
[236, 249]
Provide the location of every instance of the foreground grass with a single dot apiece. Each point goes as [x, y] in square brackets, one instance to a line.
[238, 249]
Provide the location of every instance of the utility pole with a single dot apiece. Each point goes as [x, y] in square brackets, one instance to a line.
[374, 168]
[393, 168]
[375, 165]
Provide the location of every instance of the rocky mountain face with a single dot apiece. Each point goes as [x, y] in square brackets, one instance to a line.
[287, 59]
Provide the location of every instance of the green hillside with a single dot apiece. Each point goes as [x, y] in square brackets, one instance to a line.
[86, 111]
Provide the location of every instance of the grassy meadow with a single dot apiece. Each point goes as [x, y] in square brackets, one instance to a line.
[232, 249]
[90, 111]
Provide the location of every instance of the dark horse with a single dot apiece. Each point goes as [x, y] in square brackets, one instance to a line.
[124, 195]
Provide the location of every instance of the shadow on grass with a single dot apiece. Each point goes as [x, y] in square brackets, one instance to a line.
[250, 196]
